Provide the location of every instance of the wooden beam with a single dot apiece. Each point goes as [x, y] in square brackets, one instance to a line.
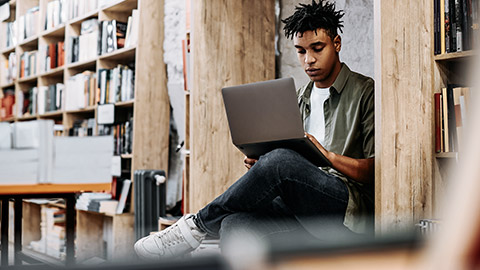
[152, 107]
[404, 113]
[233, 43]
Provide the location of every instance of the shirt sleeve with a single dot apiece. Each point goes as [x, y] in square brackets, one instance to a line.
[368, 119]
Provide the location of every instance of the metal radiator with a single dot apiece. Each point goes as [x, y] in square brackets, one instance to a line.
[149, 199]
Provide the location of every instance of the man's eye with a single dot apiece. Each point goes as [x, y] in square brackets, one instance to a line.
[301, 52]
[318, 49]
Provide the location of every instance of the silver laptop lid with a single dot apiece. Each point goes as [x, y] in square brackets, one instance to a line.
[263, 111]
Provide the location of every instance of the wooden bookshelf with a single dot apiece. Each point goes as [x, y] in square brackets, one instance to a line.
[454, 56]
[150, 107]
[447, 155]
[410, 177]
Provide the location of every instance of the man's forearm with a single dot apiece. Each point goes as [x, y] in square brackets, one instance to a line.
[361, 170]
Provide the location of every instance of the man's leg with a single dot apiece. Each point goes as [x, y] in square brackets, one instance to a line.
[305, 189]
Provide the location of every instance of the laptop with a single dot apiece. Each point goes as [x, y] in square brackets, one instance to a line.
[263, 116]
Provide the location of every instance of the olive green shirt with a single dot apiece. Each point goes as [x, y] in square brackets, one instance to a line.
[349, 131]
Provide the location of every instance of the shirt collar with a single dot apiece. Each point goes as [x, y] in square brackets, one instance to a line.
[338, 85]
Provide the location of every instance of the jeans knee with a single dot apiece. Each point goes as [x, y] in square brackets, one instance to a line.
[281, 154]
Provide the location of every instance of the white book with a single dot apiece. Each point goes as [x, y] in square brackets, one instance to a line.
[5, 136]
[41, 99]
[123, 195]
[130, 84]
[134, 30]
[129, 29]
[124, 84]
[83, 159]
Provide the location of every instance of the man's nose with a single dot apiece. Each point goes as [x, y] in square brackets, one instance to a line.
[309, 58]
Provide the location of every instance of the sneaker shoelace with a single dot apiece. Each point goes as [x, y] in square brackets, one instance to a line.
[170, 237]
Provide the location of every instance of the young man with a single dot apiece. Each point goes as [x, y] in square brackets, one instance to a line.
[282, 187]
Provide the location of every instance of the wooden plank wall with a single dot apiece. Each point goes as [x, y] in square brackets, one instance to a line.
[404, 113]
[152, 107]
[232, 43]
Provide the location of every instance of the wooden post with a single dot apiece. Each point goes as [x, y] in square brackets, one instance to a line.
[232, 43]
[403, 113]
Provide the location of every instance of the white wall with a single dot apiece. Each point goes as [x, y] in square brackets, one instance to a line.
[357, 39]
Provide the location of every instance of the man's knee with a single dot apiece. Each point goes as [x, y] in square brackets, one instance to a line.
[280, 156]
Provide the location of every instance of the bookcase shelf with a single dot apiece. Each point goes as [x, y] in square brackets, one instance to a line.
[124, 54]
[83, 110]
[56, 72]
[447, 155]
[8, 50]
[55, 32]
[454, 56]
[126, 156]
[54, 114]
[29, 42]
[149, 75]
[78, 20]
[8, 85]
[120, 6]
[29, 79]
[83, 64]
[26, 118]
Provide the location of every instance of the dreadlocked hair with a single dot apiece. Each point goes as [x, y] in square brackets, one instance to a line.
[321, 15]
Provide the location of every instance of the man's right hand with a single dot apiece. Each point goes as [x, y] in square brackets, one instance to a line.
[249, 162]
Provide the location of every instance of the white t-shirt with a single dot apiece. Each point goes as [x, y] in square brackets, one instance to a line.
[315, 122]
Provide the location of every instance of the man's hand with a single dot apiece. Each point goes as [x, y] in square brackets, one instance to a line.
[318, 145]
[361, 170]
[249, 162]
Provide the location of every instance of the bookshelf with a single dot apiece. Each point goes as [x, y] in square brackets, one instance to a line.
[410, 175]
[149, 108]
[453, 68]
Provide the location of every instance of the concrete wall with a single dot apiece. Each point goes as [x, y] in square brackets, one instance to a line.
[357, 39]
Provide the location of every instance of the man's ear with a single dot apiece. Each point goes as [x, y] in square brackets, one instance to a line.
[337, 43]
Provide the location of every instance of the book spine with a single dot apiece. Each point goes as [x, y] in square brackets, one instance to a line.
[458, 24]
[438, 142]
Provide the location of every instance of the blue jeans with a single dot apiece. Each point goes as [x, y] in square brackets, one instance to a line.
[280, 194]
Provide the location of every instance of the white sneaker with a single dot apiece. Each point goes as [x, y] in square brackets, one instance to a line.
[178, 239]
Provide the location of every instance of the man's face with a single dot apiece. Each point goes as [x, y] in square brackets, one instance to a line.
[318, 54]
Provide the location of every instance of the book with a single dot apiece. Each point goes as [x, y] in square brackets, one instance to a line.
[123, 196]
[458, 25]
[457, 91]
[446, 137]
[452, 130]
[442, 27]
[438, 125]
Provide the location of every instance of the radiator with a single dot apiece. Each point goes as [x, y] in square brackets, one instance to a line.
[149, 199]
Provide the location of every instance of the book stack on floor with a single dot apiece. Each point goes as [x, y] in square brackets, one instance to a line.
[97, 202]
[452, 108]
[52, 228]
[456, 25]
